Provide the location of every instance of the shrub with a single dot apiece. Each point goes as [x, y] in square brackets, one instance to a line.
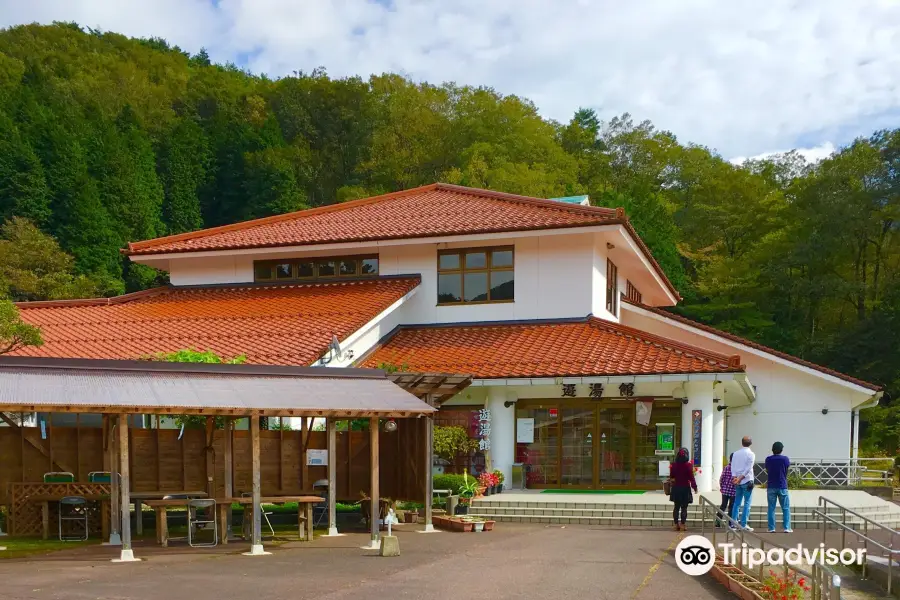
[454, 483]
[453, 440]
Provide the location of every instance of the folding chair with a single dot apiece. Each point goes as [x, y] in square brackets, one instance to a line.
[320, 510]
[210, 517]
[265, 515]
[59, 477]
[73, 509]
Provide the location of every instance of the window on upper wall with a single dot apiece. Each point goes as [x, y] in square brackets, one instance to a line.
[632, 293]
[303, 269]
[612, 287]
[476, 275]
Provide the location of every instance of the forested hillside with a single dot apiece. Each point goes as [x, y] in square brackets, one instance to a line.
[106, 139]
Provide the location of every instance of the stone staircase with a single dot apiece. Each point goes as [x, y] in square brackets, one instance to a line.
[624, 511]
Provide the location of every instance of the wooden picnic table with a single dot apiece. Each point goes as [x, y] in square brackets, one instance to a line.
[139, 497]
[223, 506]
[46, 499]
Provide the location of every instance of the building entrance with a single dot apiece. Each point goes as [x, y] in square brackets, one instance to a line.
[590, 444]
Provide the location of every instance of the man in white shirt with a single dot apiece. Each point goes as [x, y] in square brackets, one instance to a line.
[742, 470]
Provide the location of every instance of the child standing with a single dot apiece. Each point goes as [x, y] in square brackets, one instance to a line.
[726, 486]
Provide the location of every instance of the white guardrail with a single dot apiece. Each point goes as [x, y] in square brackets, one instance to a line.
[835, 472]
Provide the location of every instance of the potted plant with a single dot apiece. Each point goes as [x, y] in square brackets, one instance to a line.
[466, 492]
[486, 480]
[479, 525]
[500, 477]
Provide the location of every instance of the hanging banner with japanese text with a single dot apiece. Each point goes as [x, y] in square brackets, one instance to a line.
[696, 434]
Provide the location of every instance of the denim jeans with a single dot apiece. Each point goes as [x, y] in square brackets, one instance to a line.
[742, 494]
[781, 496]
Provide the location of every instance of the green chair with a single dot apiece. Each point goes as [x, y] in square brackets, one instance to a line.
[59, 477]
[100, 477]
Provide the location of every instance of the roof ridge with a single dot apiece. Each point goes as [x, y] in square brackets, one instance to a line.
[618, 212]
[733, 360]
[334, 207]
[170, 289]
[755, 345]
[95, 301]
[614, 213]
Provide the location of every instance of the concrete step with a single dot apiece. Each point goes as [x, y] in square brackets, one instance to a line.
[656, 520]
[649, 511]
[883, 508]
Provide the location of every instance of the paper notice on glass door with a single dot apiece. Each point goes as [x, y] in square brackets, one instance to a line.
[524, 431]
[642, 412]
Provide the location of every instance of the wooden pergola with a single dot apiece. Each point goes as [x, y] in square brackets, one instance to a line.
[117, 389]
[434, 389]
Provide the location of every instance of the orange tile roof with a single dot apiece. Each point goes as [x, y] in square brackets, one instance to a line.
[544, 349]
[751, 344]
[270, 324]
[433, 210]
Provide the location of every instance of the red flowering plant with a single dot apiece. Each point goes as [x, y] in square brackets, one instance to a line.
[781, 586]
[488, 480]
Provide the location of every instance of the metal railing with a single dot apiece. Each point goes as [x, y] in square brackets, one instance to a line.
[824, 583]
[868, 527]
[847, 472]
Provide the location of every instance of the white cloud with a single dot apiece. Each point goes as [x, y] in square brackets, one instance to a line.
[744, 76]
[814, 154]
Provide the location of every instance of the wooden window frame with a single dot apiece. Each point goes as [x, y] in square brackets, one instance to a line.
[612, 288]
[315, 260]
[488, 268]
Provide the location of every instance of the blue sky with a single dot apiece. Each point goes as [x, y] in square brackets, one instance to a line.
[743, 77]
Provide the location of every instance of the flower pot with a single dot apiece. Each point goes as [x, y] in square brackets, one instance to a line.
[479, 526]
[488, 491]
[462, 509]
[488, 525]
[411, 517]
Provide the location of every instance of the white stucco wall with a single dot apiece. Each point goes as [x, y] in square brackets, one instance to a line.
[552, 280]
[788, 406]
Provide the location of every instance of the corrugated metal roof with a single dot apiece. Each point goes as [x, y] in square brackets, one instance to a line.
[132, 386]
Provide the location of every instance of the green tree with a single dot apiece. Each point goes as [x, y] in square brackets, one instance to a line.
[16, 334]
[33, 267]
[183, 164]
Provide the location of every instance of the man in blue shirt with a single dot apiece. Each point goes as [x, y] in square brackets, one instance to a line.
[777, 489]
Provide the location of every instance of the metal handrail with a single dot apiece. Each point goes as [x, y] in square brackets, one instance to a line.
[825, 584]
[863, 536]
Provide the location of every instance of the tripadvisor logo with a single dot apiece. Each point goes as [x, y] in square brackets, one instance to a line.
[695, 555]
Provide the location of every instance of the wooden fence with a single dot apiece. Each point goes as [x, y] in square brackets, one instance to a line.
[160, 461]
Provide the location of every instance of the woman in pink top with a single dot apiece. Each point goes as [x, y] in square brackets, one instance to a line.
[682, 474]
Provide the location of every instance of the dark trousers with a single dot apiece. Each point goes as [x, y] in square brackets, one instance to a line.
[726, 508]
[682, 508]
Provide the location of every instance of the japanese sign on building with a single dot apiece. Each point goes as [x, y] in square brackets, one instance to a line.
[696, 434]
[480, 428]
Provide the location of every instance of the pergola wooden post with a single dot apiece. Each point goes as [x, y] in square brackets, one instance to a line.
[115, 539]
[229, 472]
[256, 546]
[376, 479]
[331, 427]
[127, 554]
[429, 469]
